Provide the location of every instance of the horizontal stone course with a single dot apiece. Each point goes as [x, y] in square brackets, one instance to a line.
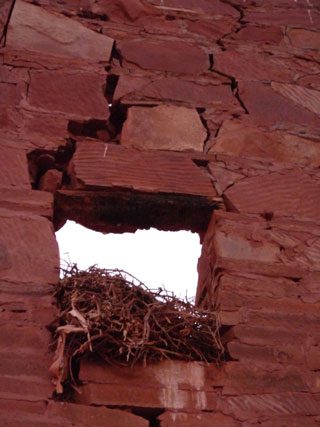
[174, 56]
[121, 167]
[75, 94]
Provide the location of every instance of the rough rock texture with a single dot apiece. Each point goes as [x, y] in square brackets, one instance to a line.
[177, 114]
[44, 33]
[163, 128]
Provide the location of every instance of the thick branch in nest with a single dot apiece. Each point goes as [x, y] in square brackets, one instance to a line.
[107, 313]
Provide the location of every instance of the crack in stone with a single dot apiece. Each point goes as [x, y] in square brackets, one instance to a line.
[240, 21]
[234, 88]
[204, 122]
[3, 37]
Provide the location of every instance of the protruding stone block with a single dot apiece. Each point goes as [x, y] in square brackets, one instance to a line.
[164, 128]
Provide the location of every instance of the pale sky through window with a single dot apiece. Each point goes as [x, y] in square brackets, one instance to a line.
[157, 258]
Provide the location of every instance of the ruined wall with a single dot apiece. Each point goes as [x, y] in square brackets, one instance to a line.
[177, 114]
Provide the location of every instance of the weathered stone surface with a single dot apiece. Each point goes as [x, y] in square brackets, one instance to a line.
[312, 81]
[252, 166]
[10, 95]
[262, 67]
[288, 5]
[25, 387]
[19, 363]
[261, 286]
[268, 108]
[223, 178]
[174, 56]
[292, 195]
[124, 10]
[307, 98]
[285, 312]
[14, 168]
[27, 201]
[93, 416]
[34, 236]
[15, 338]
[127, 85]
[150, 397]
[313, 358]
[287, 353]
[262, 335]
[252, 378]
[4, 14]
[20, 308]
[163, 128]
[304, 39]
[170, 384]
[302, 16]
[198, 95]
[176, 419]
[165, 374]
[46, 127]
[248, 141]
[9, 118]
[249, 245]
[211, 29]
[22, 412]
[290, 421]
[139, 170]
[260, 34]
[247, 406]
[50, 181]
[77, 94]
[34, 29]
[214, 7]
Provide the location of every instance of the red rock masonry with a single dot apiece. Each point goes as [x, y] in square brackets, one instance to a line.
[168, 109]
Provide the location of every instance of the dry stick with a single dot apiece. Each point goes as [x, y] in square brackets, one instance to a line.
[128, 322]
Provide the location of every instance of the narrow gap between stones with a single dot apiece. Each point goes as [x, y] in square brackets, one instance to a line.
[91, 128]
[115, 55]
[204, 122]
[240, 21]
[41, 161]
[118, 112]
[226, 335]
[87, 14]
[234, 88]
[149, 414]
[211, 61]
[220, 43]
[3, 37]
[111, 84]
[236, 7]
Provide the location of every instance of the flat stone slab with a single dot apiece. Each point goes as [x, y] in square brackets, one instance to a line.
[34, 29]
[28, 249]
[238, 139]
[110, 166]
[165, 127]
[76, 94]
[175, 56]
[293, 195]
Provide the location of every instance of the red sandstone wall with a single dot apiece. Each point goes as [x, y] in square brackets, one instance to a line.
[203, 115]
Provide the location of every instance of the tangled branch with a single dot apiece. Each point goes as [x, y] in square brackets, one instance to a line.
[107, 313]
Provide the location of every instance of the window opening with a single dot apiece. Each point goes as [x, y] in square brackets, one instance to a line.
[157, 258]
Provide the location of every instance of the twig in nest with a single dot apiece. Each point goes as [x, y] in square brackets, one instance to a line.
[103, 312]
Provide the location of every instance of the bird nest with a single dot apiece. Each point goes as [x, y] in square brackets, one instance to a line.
[111, 314]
